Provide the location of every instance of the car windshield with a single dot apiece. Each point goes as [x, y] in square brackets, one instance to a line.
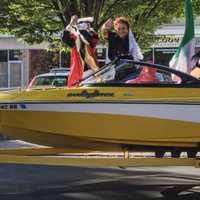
[129, 72]
[57, 81]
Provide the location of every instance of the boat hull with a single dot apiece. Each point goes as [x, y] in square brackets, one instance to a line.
[103, 118]
[104, 126]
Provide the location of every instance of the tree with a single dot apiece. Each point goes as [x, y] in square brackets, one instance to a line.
[39, 20]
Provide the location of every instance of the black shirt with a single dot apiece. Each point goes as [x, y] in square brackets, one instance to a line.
[117, 46]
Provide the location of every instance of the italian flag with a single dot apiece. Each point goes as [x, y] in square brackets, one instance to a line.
[182, 59]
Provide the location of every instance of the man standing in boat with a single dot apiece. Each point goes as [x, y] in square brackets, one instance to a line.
[196, 68]
[82, 40]
[122, 40]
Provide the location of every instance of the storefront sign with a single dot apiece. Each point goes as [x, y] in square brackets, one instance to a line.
[172, 41]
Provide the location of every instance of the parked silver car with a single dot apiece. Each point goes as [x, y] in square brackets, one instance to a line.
[56, 77]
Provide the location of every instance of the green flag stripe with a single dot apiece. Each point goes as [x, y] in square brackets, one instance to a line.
[189, 26]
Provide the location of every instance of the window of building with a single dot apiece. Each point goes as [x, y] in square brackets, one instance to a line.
[15, 74]
[163, 55]
[3, 68]
[65, 59]
[15, 54]
[3, 56]
[102, 57]
[10, 68]
[101, 53]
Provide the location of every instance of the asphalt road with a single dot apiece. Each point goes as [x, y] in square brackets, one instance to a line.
[26, 182]
[21, 182]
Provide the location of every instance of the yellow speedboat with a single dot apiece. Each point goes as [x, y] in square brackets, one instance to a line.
[108, 114]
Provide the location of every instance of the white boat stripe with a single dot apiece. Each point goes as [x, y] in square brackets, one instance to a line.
[188, 113]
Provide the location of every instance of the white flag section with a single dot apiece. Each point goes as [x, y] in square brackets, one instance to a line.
[182, 60]
[134, 48]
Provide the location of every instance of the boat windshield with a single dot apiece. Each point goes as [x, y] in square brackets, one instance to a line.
[129, 72]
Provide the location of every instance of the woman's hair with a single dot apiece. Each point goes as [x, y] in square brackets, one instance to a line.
[122, 20]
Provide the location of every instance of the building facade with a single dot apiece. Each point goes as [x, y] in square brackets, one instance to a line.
[15, 62]
[20, 62]
[169, 39]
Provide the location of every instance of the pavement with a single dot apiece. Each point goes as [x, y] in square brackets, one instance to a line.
[22, 182]
[29, 182]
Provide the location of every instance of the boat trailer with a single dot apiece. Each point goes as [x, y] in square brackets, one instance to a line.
[63, 157]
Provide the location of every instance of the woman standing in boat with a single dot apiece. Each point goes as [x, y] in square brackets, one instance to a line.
[82, 40]
[121, 41]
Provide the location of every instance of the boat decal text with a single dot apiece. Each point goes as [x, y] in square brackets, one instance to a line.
[88, 95]
[12, 106]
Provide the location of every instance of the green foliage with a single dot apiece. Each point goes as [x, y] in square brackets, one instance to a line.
[44, 20]
[149, 15]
